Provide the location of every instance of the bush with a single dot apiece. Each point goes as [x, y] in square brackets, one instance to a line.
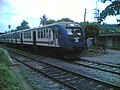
[8, 80]
[5, 58]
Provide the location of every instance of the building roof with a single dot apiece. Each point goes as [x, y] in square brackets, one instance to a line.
[110, 34]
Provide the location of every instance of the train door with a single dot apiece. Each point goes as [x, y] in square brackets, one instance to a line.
[11, 38]
[21, 38]
[56, 34]
[16, 38]
[34, 37]
[50, 36]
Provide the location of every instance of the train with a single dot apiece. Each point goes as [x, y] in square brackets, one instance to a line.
[64, 39]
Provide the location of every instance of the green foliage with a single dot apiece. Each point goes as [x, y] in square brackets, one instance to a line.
[65, 20]
[108, 28]
[24, 25]
[5, 58]
[105, 0]
[50, 21]
[91, 29]
[19, 28]
[8, 80]
[43, 20]
[117, 29]
[112, 9]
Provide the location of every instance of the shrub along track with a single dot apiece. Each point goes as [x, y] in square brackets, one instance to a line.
[66, 77]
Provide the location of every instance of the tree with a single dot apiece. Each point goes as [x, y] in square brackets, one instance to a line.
[112, 9]
[50, 21]
[12, 30]
[9, 26]
[105, 0]
[24, 25]
[18, 28]
[43, 20]
[65, 20]
[91, 30]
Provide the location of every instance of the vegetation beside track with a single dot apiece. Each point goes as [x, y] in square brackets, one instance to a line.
[94, 51]
[8, 80]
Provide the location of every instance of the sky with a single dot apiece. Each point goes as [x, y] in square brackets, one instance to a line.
[13, 12]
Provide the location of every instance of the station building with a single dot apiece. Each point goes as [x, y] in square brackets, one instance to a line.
[110, 40]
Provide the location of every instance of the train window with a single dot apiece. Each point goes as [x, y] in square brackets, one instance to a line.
[46, 33]
[42, 33]
[13, 35]
[9, 35]
[27, 34]
[49, 32]
[78, 31]
[24, 34]
[18, 35]
[4, 36]
[69, 31]
[39, 33]
[73, 31]
[56, 33]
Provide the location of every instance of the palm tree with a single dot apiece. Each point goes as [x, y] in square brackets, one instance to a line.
[9, 26]
[43, 20]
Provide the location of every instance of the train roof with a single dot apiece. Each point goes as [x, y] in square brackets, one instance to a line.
[66, 24]
[1, 33]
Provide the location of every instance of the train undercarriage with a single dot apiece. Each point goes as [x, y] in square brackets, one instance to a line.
[49, 51]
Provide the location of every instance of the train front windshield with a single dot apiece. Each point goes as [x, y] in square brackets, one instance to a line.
[75, 34]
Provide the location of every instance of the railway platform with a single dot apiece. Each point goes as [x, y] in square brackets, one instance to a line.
[111, 57]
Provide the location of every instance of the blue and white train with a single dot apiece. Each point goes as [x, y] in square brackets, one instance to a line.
[66, 39]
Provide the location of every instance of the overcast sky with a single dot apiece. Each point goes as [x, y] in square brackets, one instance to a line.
[13, 12]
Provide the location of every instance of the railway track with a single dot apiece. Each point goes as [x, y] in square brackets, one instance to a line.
[99, 66]
[68, 78]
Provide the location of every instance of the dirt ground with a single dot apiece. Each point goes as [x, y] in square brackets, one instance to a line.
[110, 56]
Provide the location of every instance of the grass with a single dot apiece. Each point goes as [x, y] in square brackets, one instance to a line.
[8, 80]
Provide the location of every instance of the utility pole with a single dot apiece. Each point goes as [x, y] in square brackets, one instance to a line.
[85, 15]
[96, 13]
